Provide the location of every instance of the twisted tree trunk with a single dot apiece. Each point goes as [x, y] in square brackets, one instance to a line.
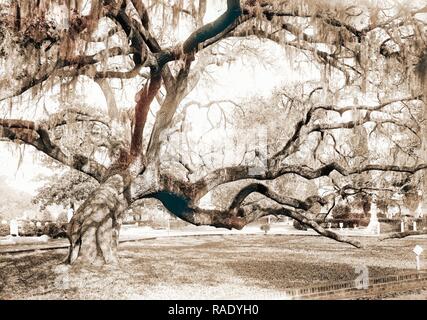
[94, 230]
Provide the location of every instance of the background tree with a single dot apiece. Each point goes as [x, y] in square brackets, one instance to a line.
[70, 187]
[369, 52]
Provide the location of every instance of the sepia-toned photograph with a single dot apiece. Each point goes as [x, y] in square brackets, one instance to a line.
[213, 150]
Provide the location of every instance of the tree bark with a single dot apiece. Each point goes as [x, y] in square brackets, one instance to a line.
[94, 229]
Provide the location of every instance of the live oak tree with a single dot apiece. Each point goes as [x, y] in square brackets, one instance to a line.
[374, 68]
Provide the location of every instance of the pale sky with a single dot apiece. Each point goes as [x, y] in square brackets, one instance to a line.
[22, 176]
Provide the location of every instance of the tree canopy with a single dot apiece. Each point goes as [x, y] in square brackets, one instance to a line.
[361, 120]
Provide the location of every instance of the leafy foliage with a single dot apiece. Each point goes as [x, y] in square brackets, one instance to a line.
[70, 187]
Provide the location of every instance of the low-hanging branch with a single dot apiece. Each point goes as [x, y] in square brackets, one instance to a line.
[269, 193]
[237, 216]
[401, 235]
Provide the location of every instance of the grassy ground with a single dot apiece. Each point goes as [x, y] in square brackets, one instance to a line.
[208, 267]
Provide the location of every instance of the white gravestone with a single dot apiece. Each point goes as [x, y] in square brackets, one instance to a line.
[341, 225]
[402, 226]
[393, 210]
[14, 228]
[419, 211]
[418, 250]
[374, 225]
[70, 213]
[38, 224]
[415, 226]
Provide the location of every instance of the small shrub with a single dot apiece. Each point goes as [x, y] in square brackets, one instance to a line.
[55, 230]
[299, 226]
[4, 230]
[27, 229]
[265, 228]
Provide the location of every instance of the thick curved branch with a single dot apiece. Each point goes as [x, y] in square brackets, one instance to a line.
[164, 116]
[400, 235]
[226, 220]
[209, 31]
[137, 29]
[280, 199]
[199, 188]
[37, 135]
[237, 217]
[143, 101]
[214, 28]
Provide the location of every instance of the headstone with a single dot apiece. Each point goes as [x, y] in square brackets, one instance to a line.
[329, 225]
[373, 226]
[402, 226]
[419, 211]
[14, 228]
[417, 250]
[414, 226]
[38, 224]
[341, 225]
[70, 213]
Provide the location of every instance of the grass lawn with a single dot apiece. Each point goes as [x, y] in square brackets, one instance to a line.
[205, 267]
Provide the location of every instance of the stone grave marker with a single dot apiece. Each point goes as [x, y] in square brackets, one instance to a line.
[70, 213]
[418, 250]
[14, 229]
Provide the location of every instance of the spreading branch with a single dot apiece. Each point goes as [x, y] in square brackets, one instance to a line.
[37, 135]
